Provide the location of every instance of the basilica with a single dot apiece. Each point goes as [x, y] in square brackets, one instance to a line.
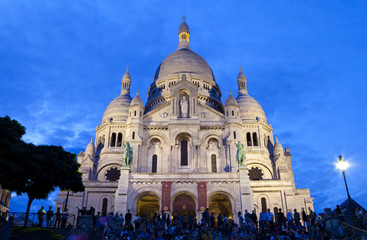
[183, 143]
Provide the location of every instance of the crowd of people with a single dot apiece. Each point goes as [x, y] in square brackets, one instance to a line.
[57, 219]
[278, 225]
[163, 226]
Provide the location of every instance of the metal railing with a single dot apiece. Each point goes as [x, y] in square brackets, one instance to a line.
[33, 220]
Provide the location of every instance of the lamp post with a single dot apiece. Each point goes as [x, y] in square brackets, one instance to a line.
[343, 165]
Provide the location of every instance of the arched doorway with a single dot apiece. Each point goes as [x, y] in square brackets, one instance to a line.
[148, 205]
[219, 203]
[184, 205]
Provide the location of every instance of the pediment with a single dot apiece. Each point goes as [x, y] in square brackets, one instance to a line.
[184, 84]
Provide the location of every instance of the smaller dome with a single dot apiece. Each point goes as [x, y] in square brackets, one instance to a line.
[250, 109]
[137, 100]
[118, 109]
[90, 150]
[230, 101]
[278, 148]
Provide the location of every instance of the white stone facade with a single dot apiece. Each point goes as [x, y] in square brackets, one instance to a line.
[184, 136]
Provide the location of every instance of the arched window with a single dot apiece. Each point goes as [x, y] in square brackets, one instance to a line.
[119, 139]
[104, 206]
[254, 138]
[134, 113]
[214, 163]
[154, 163]
[133, 137]
[234, 135]
[263, 205]
[232, 113]
[113, 140]
[184, 153]
[248, 139]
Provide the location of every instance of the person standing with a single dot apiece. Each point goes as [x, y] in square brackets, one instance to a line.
[206, 217]
[253, 218]
[41, 214]
[247, 217]
[281, 217]
[128, 217]
[49, 216]
[289, 219]
[57, 218]
[64, 219]
[270, 218]
[304, 217]
[296, 217]
[262, 220]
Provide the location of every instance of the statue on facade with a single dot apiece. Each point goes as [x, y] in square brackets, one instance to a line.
[127, 156]
[184, 107]
[240, 155]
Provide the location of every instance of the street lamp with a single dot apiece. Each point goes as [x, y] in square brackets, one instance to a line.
[343, 165]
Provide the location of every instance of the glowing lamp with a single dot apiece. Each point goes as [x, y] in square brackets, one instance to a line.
[342, 165]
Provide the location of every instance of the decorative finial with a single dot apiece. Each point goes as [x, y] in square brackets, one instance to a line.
[91, 140]
[276, 139]
[137, 92]
[230, 92]
[127, 69]
[240, 69]
[184, 18]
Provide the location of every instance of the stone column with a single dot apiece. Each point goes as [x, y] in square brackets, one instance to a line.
[247, 196]
[121, 192]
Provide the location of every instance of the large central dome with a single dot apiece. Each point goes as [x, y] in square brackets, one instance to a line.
[184, 60]
[184, 64]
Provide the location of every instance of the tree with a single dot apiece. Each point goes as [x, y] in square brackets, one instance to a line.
[35, 170]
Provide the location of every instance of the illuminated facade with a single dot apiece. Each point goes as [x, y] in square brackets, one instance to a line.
[184, 149]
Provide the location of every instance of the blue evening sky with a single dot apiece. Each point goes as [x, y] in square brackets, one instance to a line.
[61, 63]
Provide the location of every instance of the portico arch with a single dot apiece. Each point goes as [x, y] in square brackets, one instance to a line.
[148, 203]
[219, 202]
[183, 203]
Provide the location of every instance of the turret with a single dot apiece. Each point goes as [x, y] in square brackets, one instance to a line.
[88, 161]
[126, 82]
[184, 35]
[277, 150]
[135, 120]
[231, 107]
[241, 82]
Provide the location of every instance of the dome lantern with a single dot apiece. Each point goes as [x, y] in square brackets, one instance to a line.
[184, 35]
[242, 82]
[126, 82]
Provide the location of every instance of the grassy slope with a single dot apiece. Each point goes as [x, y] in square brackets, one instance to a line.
[34, 234]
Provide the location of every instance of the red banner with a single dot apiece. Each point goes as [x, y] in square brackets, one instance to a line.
[166, 196]
[202, 196]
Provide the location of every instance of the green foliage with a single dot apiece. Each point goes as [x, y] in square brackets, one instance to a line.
[34, 233]
[35, 170]
[12, 154]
